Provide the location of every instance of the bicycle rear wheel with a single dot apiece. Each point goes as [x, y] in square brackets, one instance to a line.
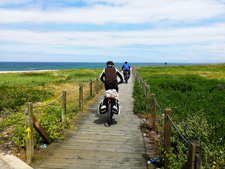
[126, 79]
[110, 114]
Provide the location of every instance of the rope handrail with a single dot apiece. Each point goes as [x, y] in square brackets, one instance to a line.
[86, 84]
[194, 146]
[150, 92]
[168, 115]
[177, 129]
[94, 79]
[159, 106]
[62, 95]
[73, 91]
[50, 102]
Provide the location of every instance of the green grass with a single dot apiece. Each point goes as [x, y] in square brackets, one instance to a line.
[198, 106]
[18, 88]
[210, 71]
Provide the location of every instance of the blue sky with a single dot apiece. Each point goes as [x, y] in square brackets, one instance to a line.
[178, 31]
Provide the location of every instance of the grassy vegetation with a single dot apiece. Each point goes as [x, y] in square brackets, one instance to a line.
[18, 88]
[196, 96]
[39, 88]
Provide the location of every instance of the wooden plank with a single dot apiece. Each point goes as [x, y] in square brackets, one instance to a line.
[41, 130]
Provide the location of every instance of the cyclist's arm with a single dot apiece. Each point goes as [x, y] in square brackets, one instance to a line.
[102, 75]
[120, 75]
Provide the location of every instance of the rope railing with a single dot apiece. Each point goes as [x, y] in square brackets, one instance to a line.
[73, 91]
[177, 130]
[86, 84]
[158, 105]
[149, 93]
[62, 95]
[49, 103]
[193, 145]
[154, 99]
[31, 121]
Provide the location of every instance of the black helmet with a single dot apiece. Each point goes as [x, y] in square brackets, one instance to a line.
[125, 62]
[109, 63]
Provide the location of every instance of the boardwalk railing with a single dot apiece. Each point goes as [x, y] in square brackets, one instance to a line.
[91, 88]
[194, 146]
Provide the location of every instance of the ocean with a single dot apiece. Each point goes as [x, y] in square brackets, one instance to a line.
[33, 66]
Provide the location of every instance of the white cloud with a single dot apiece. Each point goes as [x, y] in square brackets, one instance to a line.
[129, 12]
[118, 38]
[177, 29]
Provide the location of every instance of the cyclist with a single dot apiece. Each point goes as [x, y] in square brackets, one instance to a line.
[126, 68]
[109, 78]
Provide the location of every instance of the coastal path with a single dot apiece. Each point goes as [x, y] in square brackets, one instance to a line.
[92, 145]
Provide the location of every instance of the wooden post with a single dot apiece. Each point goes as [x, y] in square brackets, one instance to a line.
[148, 97]
[96, 85]
[63, 107]
[167, 137]
[81, 96]
[145, 88]
[153, 113]
[195, 155]
[29, 132]
[90, 88]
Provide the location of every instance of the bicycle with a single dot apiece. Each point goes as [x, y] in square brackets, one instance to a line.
[126, 75]
[109, 105]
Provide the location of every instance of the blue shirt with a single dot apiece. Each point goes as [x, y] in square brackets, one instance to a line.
[126, 67]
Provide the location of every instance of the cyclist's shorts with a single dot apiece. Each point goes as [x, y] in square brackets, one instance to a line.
[111, 85]
[126, 71]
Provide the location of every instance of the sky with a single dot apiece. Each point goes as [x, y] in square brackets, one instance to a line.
[176, 31]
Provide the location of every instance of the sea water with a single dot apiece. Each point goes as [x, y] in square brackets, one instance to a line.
[33, 66]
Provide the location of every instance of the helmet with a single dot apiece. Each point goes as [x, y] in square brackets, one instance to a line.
[125, 62]
[109, 63]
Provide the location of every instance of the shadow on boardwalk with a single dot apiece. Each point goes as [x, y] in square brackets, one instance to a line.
[92, 145]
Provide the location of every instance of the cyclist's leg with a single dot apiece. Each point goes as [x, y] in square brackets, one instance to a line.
[117, 89]
[124, 74]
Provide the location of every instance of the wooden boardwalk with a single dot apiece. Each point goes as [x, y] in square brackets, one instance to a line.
[92, 145]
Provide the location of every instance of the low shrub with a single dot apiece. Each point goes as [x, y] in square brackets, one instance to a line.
[198, 111]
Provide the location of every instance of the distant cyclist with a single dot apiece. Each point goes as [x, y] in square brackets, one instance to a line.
[109, 78]
[126, 68]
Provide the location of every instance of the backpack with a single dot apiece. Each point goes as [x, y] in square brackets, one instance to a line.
[110, 74]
